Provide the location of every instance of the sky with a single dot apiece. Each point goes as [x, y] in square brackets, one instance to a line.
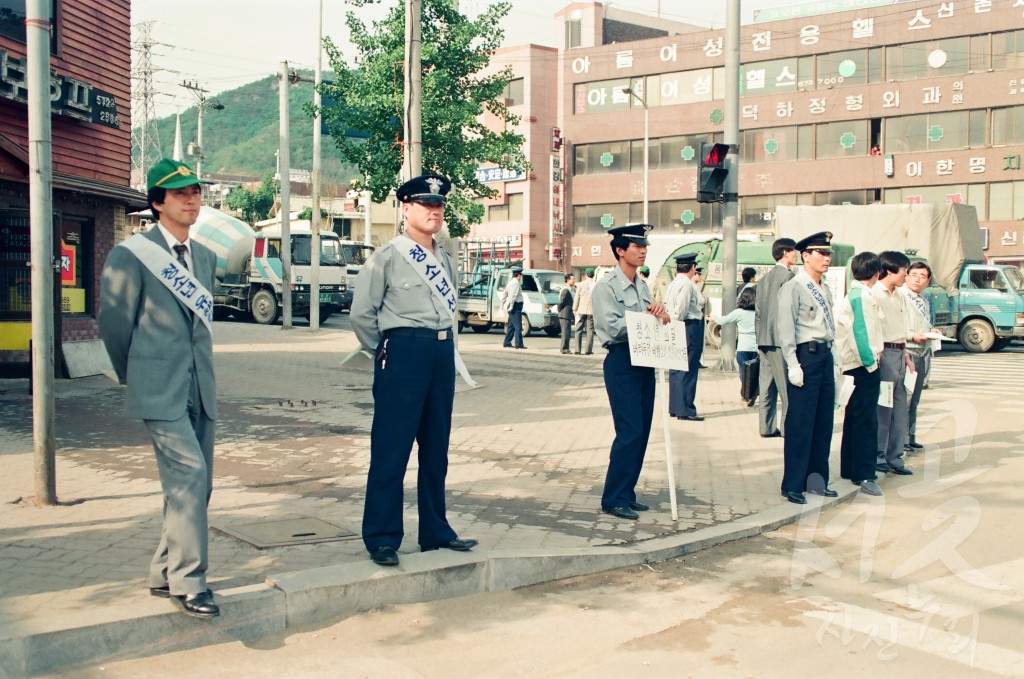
[222, 44]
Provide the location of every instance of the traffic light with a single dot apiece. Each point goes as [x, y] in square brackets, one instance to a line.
[712, 173]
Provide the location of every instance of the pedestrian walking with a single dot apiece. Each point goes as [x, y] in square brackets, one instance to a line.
[682, 301]
[771, 378]
[565, 302]
[859, 345]
[919, 315]
[894, 363]
[583, 309]
[404, 311]
[743, 317]
[630, 388]
[513, 303]
[806, 333]
[156, 318]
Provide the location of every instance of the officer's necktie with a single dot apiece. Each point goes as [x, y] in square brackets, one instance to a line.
[181, 250]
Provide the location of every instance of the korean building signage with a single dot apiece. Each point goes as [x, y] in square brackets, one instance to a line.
[488, 175]
[68, 96]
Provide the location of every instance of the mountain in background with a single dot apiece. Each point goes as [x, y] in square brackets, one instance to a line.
[242, 139]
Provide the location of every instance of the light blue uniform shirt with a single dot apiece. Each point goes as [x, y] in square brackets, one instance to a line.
[613, 296]
[805, 314]
[391, 294]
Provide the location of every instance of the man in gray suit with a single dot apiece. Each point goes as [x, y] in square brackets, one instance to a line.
[155, 316]
[772, 374]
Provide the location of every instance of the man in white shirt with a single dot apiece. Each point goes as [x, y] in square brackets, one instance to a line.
[894, 362]
[919, 318]
[682, 301]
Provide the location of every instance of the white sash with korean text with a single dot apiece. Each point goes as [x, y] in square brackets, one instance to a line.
[819, 297]
[176, 278]
[432, 272]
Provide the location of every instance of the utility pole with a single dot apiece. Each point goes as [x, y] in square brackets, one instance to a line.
[314, 221]
[413, 151]
[730, 208]
[40, 165]
[145, 137]
[284, 175]
[202, 103]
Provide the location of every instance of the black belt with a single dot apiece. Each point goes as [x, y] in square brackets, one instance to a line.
[617, 346]
[813, 346]
[422, 333]
[693, 320]
[894, 345]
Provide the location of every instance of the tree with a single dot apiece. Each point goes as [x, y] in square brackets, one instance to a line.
[455, 95]
[255, 205]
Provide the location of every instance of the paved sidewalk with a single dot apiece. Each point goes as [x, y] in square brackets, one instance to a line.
[527, 461]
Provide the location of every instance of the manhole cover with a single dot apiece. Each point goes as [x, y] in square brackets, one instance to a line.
[301, 531]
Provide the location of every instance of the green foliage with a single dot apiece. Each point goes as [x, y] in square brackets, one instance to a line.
[243, 138]
[307, 214]
[255, 205]
[454, 93]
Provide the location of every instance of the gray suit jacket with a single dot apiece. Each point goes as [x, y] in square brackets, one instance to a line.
[153, 340]
[766, 309]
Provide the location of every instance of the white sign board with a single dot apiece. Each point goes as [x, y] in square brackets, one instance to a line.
[656, 345]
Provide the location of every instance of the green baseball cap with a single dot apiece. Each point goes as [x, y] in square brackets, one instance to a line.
[171, 174]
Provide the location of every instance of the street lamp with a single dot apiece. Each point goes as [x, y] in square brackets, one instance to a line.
[630, 91]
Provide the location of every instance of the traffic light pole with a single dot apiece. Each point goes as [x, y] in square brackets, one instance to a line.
[730, 207]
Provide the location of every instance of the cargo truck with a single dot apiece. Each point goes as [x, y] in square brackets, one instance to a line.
[479, 302]
[978, 304]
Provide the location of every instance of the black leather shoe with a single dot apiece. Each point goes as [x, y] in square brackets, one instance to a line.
[456, 545]
[384, 556]
[773, 435]
[197, 605]
[692, 418]
[795, 498]
[160, 592]
[883, 468]
[900, 471]
[621, 512]
[826, 492]
[638, 506]
[565, 351]
[913, 444]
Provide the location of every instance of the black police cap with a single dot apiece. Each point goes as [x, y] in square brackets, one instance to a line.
[686, 258]
[430, 189]
[634, 232]
[816, 241]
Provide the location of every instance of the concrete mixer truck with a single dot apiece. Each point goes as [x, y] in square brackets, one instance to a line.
[249, 268]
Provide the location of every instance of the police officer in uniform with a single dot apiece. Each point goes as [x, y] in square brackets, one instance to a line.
[630, 388]
[514, 308]
[683, 302]
[806, 333]
[399, 312]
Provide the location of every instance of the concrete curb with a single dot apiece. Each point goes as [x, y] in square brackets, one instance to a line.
[321, 595]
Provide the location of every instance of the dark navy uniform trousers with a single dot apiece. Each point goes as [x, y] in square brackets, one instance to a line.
[809, 418]
[683, 383]
[631, 395]
[413, 391]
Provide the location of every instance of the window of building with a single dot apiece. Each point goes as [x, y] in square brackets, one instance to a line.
[928, 59]
[603, 158]
[854, 197]
[12, 20]
[515, 92]
[772, 145]
[1006, 201]
[515, 206]
[976, 128]
[76, 275]
[497, 213]
[939, 195]
[978, 59]
[843, 139]
[573, 33]
[929, 132]
[1008, 50]
[15, 273]
[844, 69]
[1007, 125]
[597, 219]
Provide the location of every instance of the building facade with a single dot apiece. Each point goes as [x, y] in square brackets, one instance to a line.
[90, 84]
[904, 102]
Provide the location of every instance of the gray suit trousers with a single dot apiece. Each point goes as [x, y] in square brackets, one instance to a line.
[922, 364]
[184, 456]
[771, 384]
[892, 422]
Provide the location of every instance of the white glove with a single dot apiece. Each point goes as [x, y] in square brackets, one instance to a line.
[796, 375]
